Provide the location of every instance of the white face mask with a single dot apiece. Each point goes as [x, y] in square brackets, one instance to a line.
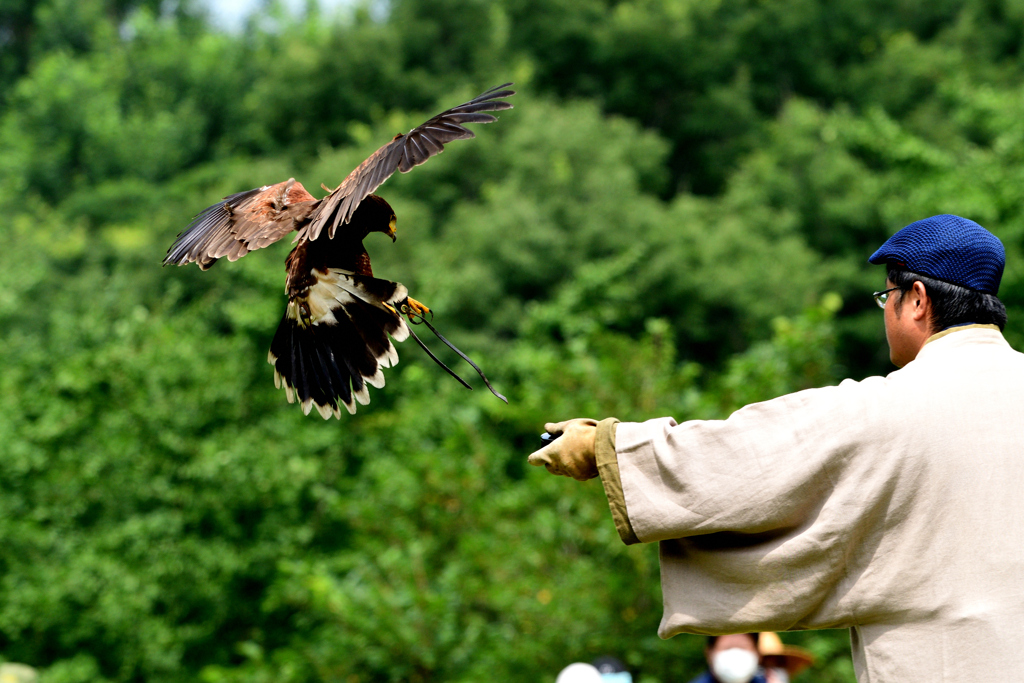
[734, 665]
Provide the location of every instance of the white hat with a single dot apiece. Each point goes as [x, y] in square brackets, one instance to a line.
[579, 673]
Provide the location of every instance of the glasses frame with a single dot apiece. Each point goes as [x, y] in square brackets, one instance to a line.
[883, 296]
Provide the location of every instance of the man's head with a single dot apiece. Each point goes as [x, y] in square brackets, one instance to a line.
[946, 272]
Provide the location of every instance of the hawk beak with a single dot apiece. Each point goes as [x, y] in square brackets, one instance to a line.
[392, 230]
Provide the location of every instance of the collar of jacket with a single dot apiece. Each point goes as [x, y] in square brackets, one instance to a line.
[965, 335]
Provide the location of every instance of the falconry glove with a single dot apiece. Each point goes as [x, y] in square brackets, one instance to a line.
[572, 454]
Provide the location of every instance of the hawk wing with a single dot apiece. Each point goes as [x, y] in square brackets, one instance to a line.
[402, 154]
[241, 223]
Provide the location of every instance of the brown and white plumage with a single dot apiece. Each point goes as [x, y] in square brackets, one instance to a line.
[336, 332]
[243, 222]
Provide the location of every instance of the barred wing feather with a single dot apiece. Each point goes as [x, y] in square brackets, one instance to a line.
[402, 154]
[241, 223]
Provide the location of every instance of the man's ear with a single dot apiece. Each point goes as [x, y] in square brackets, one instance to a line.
[920, 303]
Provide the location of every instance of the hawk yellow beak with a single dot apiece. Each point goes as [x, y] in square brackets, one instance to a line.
[391, 229]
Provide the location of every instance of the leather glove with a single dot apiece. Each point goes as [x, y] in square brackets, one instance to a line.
[572, 454]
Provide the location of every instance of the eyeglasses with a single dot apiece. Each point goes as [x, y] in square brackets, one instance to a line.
[883, 296]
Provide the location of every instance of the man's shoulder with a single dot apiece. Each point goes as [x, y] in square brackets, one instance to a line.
[847, 392]
[971, 356]
[966, 341]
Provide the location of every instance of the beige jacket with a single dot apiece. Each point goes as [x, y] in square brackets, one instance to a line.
[894, 506]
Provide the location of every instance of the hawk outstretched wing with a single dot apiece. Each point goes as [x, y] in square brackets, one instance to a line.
[256, 218]
[241, 223]
[403, 153]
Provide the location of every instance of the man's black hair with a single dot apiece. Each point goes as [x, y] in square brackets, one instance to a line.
[753, 636]
[951, 304]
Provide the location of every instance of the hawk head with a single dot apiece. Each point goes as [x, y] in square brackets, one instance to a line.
[374, 215]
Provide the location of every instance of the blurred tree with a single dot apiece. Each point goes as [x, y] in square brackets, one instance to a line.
[673, 220]
[31, 28]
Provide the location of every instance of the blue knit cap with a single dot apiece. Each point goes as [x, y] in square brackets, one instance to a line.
[949, 248]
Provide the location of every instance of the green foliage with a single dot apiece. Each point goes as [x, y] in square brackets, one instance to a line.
[169, 515]
[674, 219]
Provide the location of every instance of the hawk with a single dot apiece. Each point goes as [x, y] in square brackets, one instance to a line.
[335, 336]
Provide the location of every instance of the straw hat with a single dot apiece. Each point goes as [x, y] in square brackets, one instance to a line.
[775, 653]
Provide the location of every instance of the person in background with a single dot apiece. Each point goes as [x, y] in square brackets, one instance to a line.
[612, 670]
[732, 659]
[779, 661]
[579, 672]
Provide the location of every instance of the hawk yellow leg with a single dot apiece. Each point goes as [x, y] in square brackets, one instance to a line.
[413, 307]
[410, 307]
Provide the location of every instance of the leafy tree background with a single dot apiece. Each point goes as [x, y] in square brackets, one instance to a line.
[674, 219]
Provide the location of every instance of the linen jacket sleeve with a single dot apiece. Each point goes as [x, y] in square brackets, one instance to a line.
[763, 516]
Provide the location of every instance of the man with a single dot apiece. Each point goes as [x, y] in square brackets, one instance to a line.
[893, 506]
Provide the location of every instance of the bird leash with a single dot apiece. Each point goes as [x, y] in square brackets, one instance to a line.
[416, 319]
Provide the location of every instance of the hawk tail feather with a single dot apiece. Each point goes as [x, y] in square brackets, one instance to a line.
[331, 362]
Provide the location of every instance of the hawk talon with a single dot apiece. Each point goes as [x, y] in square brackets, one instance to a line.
[414, 309]
[414, 319]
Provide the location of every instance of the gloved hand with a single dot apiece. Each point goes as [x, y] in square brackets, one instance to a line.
[572, 454]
